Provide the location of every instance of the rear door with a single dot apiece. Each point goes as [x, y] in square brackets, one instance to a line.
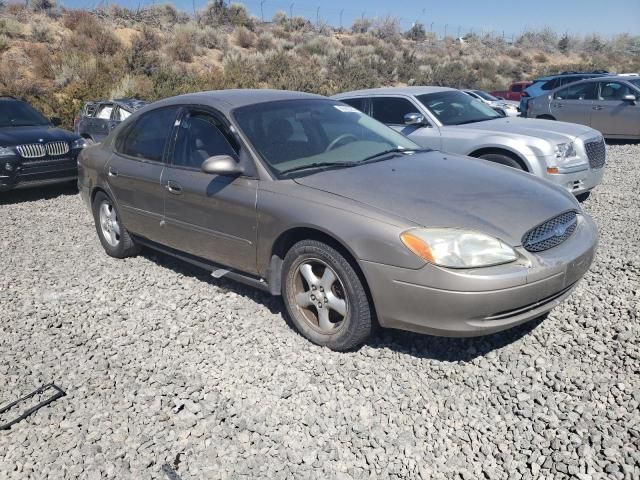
[210, 216]
[612, 115]
[574, 103]
[101, 121]
[391, 110]
[135, 169]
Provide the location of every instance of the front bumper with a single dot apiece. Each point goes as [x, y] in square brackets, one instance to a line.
[577, 182]
[24, 174]
[448, 302]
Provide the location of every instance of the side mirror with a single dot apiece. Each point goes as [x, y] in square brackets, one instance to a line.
[630, 98]
[55, 121]
[414, 119]
[222, 165]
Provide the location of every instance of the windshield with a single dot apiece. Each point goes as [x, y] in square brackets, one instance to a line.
[20, 114]
[486, 96]
[303, 135]
[456, 108]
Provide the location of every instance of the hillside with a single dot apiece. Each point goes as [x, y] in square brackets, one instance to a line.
[58, 58]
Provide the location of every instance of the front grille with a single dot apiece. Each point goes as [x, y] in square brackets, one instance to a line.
[33, 150]
[57, 148]
[551, 233]
[596, 152]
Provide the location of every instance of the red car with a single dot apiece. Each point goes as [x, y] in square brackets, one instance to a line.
[514, 92]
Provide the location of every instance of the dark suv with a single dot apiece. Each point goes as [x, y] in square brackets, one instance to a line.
[33, 151]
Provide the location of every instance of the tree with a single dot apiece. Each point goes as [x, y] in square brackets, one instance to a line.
[564, 44]
[416, 32]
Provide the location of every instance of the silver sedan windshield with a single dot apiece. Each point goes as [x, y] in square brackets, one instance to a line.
[456, 108]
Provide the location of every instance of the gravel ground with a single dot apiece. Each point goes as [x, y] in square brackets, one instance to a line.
[172, 374]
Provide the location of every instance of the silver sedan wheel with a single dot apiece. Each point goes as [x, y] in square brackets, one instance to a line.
[320, 296]
[109, 223]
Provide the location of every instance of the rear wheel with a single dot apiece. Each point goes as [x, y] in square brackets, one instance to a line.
[545, 117]
[324, 296]
[503, 159]
[114, 238]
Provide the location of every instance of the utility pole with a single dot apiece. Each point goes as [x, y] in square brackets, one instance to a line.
[431, 27]
[445, 30]
[459, 28]
[291, 10]
[318, 16]
[341, 12]
[261, 10]
[195, 13]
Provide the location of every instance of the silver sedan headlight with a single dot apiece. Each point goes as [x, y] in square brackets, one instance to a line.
[454, 248]
[565, 150]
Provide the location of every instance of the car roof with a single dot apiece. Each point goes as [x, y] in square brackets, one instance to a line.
[396, 90]
[574, 74]
[227, 100]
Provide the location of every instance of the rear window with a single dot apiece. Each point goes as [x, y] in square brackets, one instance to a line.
[516, 88]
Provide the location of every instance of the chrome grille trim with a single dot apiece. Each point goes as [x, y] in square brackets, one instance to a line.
[596, 152]
[32, 150]
[57, 148]
[550, 233]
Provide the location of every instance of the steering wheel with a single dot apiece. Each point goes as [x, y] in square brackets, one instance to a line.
[342, 137]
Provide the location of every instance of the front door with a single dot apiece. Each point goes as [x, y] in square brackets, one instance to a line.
[135, 169]
[210, 216]
[391, 111]
[612, 115]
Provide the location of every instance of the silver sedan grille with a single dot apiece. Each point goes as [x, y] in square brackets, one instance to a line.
[551, 233]
[596, 152]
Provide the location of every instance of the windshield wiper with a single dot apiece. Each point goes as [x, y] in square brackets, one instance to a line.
[389, 152]
[319, 165]
[477, 120]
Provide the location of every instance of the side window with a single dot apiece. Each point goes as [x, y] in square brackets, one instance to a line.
[104, 112]
[358, 103]
[391, 110]
[516, 88]
[582, 91]
[201, 136]
[613, 91]
[551, 84]
[147, 137]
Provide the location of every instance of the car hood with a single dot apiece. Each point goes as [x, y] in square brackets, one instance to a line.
[532, 127]
[433, 189]
[11, 136]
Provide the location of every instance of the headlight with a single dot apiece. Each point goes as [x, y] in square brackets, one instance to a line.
[79, 143]
[449, 247]
[6, 152]
[565, 150]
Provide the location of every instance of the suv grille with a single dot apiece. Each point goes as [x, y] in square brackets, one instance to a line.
[551, 233]
[596, 152]
[39, 150]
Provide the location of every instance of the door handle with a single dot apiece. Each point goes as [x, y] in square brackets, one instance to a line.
[113, 172]
[558, 105]
[173, 187]
[597, 107]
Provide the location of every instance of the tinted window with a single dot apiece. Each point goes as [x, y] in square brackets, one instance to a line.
[581, 91]
[391, 110]
[333, 135]
[551, 84]
[358, 103]
[614, 91]
[17, 114]
[200, 136]
[635, 82]
[148, 136]
[516, 88]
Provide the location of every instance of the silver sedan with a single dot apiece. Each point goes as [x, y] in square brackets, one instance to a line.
[446, 119]
[608, 104]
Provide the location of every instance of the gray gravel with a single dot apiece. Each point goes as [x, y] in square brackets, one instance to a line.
[172, 374]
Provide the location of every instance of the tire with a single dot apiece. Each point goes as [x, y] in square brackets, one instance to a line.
[114, 238]
[583, 196]
[503, 159]
[344, 320]
[545, 117]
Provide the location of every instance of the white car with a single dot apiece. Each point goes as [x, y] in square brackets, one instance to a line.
[446, 119]
[507, 108]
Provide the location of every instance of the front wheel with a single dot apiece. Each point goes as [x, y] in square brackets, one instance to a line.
[325, 297]
[502, 159]
[114, 238]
